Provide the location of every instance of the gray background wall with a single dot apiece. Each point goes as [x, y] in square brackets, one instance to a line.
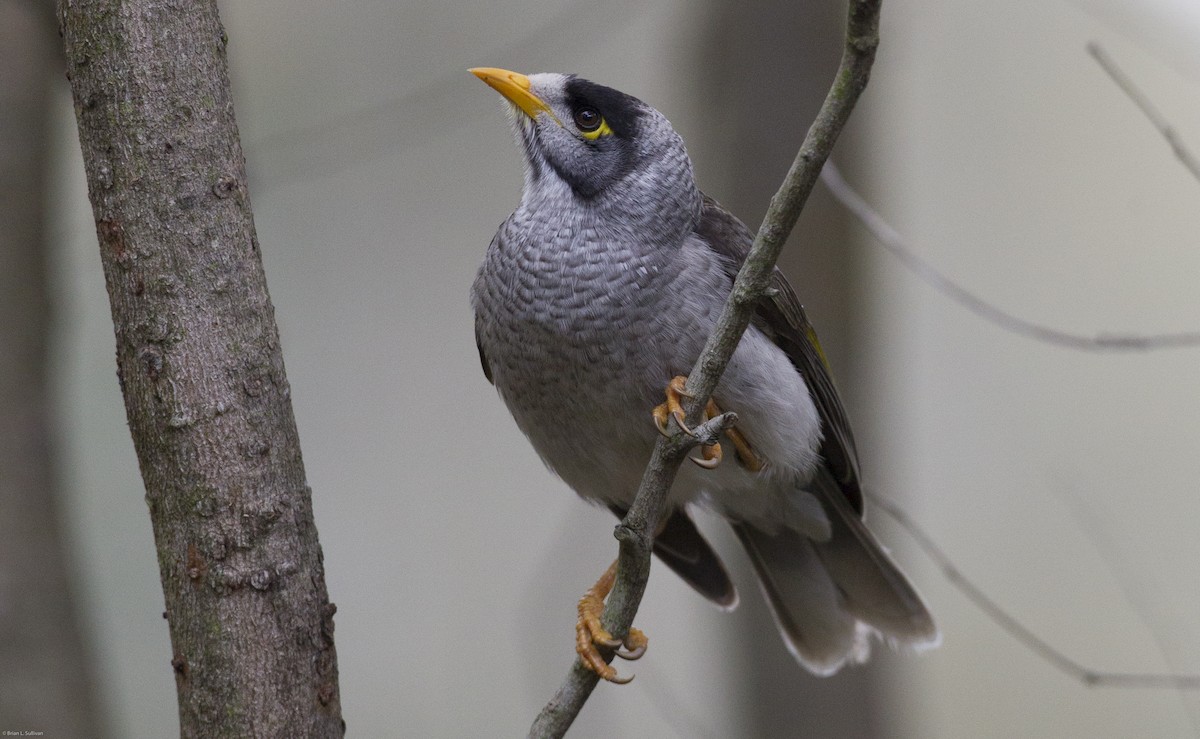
[1061, 481]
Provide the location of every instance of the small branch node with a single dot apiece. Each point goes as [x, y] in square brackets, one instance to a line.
[709, 431]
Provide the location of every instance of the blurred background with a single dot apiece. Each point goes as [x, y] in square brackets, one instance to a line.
[1061, 481]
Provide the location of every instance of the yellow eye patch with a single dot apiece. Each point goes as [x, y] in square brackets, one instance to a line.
[590, 123]
[601, 130]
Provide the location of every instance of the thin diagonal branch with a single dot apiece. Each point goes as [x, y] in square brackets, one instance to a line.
[1019, 631]
[1139, 98]
[636, 531]
[891, 240]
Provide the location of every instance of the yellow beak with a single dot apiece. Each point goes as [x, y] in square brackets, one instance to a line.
[515, 87]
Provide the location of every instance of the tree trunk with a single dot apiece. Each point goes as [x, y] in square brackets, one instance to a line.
[200, 367]
[46, 681]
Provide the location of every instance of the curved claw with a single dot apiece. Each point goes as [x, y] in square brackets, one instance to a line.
[590, 634]
[632, 654]
[676, 389]
[635, 644]
[682, 425]
[660, 420]
[678, 385]
[711, 457]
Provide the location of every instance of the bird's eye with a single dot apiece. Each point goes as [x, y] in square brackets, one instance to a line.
[588, 119]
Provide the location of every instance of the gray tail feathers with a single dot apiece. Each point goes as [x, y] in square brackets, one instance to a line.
[829, 597]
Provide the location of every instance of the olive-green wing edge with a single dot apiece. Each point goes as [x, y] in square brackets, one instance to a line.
[781, 317]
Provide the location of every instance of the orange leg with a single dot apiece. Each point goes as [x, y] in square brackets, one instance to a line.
[745, 453]
[589, 632]
[676, 389]
[710, 453]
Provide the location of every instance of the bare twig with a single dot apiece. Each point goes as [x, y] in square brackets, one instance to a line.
[894, 243]
[1017, 630]
[1111, 548]
[635, 532]
[1139, 98]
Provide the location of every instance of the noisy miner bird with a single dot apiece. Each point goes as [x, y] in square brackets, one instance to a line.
[596, 295]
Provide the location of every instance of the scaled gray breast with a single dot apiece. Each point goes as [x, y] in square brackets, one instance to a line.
[565, 298]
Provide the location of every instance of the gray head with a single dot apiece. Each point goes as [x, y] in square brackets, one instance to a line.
[590, 149]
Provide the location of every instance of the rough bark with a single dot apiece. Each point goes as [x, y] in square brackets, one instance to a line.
[201, 370]
[46, 682]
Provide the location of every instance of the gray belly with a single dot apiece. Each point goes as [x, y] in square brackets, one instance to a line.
[581, 352]
[581, 363]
